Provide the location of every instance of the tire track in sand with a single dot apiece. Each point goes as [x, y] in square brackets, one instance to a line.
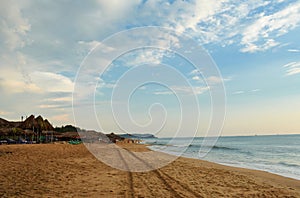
[171, 183]
[130, 191]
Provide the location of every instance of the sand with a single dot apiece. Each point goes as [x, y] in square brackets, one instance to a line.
[62, 170]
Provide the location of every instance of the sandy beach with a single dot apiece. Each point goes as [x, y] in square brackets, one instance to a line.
[63, 170]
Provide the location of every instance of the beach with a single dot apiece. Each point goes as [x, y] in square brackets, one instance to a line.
[63, 170]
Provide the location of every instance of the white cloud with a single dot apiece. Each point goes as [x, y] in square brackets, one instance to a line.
[251, 47]
[14, 82]
[197, 78]
[13, 25]
[163, 93]
[197, 90]
[93, 44]
[55, 102]
[195, 72]
[292, 68]
[255, 90]
[36, 82]
[140, 57]
[200, 90]
[142, 88]
[107, 85]
[238, 92]
[62, 99]
[116, 10]
[216, 79]
[267, 26]
[293, 71]
[246, 91]
[293, 50]
[52, 82]
[61, 119]
[148, 56]
[211, 80]
[48, 106]
[292, 64]
[202, 10]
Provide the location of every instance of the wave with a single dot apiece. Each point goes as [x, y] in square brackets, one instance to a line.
[225, 148]
[215, 147]
[198, 146]
[164, 144]
[194, 146]
[289, 164]
[157, 144]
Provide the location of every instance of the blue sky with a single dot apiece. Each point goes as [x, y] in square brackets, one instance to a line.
[255, 45]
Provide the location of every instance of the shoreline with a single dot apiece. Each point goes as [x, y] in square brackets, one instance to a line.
[279, 158]
[72, 171]
[257, 172]
[231, 165]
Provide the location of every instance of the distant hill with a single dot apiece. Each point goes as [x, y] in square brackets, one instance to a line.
[137, 136]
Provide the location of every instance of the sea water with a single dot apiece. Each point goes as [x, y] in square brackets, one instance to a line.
[279, 154]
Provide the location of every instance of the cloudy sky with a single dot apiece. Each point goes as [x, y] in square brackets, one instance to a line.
[254, 44]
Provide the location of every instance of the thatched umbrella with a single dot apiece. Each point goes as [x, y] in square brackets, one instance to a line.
[4, 123]
[30, 123]
[48, 126]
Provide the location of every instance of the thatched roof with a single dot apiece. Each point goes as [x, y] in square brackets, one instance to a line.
[38, 123]
[4, 123]
[26, 127]
[48, 126]
[29, 123]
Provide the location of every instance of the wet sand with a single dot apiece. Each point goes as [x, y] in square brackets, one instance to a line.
[63, 170]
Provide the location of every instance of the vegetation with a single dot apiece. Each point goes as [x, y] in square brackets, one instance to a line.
[67, 128]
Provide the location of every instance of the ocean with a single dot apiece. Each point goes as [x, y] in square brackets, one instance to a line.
[279, 154]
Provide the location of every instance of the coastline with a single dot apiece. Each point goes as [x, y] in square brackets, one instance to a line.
[71, 171]
[234, 166]
[274, 154]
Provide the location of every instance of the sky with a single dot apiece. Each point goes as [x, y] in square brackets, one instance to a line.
[47, 47]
